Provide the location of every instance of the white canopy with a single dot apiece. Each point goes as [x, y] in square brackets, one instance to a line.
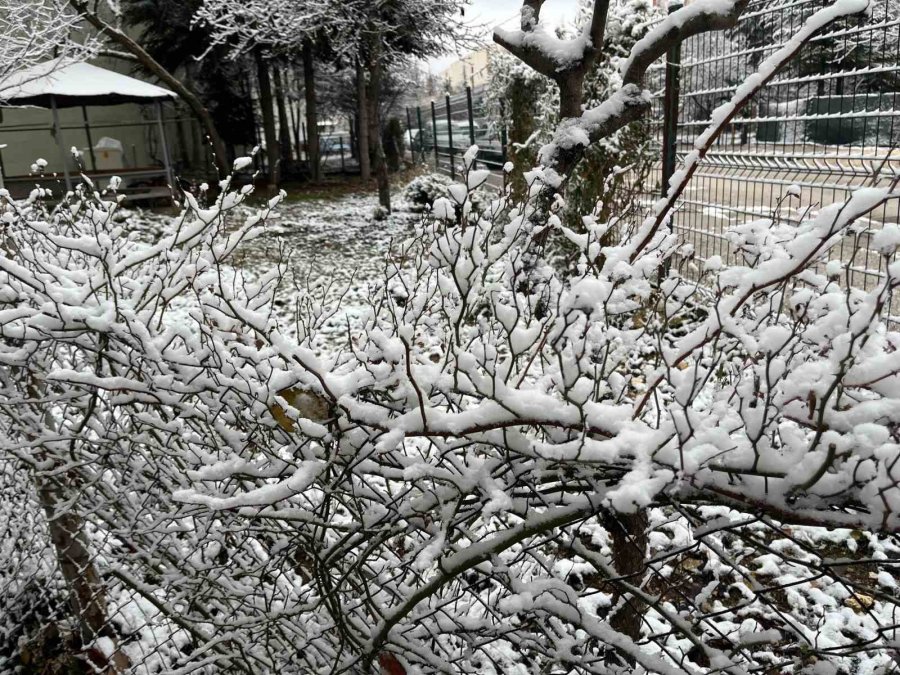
[75, 84]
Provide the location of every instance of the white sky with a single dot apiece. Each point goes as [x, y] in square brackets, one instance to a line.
[492, 13]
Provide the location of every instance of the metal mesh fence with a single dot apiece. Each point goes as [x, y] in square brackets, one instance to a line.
[442, 132]
[825, 125]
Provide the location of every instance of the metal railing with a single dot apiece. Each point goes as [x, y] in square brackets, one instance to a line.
[443, 131]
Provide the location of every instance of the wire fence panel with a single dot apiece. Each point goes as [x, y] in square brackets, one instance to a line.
[442, 133]
[824, 126]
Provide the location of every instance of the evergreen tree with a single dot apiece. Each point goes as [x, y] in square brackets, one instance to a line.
[171, 37]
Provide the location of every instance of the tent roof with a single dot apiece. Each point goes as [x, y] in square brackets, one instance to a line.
[76, 84]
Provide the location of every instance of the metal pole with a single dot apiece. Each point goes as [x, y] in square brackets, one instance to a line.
[305, 141]
[450, 136]
[503, 131]
[59, 142]
[434, 133]
[409, 133]
[352, 122]
[471, 120]
[164, 143]
[670, 111]
[421, 136]
[471, 115]
[90, 142]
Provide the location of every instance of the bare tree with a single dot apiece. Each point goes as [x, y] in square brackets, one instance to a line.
[567, 61]
[41, 34]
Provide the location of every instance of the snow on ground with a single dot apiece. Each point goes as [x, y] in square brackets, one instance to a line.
[321, 241]
[318, 241]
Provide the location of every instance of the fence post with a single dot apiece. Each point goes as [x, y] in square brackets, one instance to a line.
[305, 141]
[471, 116]
[351, 120]
[503, 131]
[450, 136]
[670, 110]
[434, 135]
[90, 141]
[421, 135]
[471, 119]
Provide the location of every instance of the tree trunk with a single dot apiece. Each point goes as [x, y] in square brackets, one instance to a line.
[152, 66]
[295, 123]
[284, 124]
[88, 597]
[266, 102]
[628, 535]
[312, 113]
[376, 147]
[362, 117]
[571, 95]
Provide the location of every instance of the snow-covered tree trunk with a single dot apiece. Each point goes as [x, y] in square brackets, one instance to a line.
[567, 61]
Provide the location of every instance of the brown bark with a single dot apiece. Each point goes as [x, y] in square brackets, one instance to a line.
[570, 77]
[152, 66]
[266, 102]
[362, 117]
[628, 543]
[312, 112]
[284, 124]
[88, 597]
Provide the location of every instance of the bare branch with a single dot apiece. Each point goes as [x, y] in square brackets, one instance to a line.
[698, 17]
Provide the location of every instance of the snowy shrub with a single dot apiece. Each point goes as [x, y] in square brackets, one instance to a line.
[422, 191]
[629, 467]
